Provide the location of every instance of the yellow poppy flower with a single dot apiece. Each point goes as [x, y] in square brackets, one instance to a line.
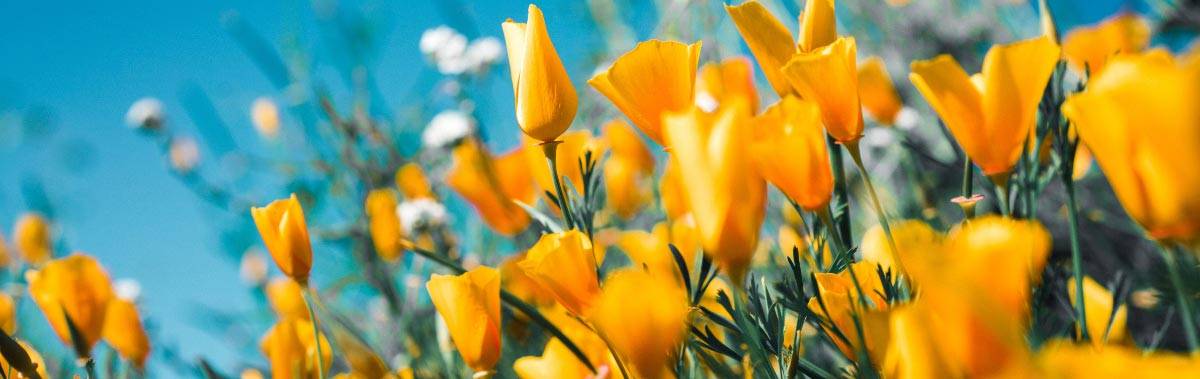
[912, 239]
[720, 82]
[650, 249]
[990, 114]
[1104, 324]
[670, 191]
[124, 332]
[281, 224]
[829, 77]
[772, 44]
[286, 298]
[384, 224]
[411, 181]
[843, 303]
[789, 151]
[1063, 359]
[727, 199]
[876, 91]
[564, 264]
[1139, 120]
[647, 340]
[291, 352]
[544, 98]
[77, 287]
[1089, 48]
[655, 78]
[32, 236]
[470, 306]
[515, 281]
[492, 185]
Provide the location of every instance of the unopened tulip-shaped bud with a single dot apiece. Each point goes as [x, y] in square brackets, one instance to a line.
[384, 224]
[290, 348]
[286, 298]
[545, 100]
[76, 287]
[32, 237]
[655, 78]
[1104, 324]
[265, 116]
[470, 306]
[771, 42]
[789, 151]
[124, 332]
[991, 113]
[411, 181]
[1140, 121]
[281, 224]
[876, 91]
[726, 197]
[563, 264]
[829, 77]
[644, 317]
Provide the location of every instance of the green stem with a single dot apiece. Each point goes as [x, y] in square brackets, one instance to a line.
[89, 365]
[1185, 304]
[515, 302]
[856, 155]
[312, 316]
[839, 188]
[967, 186]
[1076, 259]
[550, 149]
[1002, 199]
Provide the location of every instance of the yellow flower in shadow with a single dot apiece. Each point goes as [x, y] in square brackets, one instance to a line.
[544, 98]
[384, 224]
[1089, 48]
[77, 287]
[655, 78]
[470, 306]
[291, 351]
[876, 91]
[1140, 121]
[491, 185]
[124, 332]
[281, 225]
[644, 316]
[990, 114]
[789, 151]
[726, 197]
[1105, 325]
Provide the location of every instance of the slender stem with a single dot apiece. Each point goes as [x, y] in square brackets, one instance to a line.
[839, 187]
[856, 155]
[826, 219]
[550, 149]
[312, 316]
[515, 302]
[1185, 303]
[607, 343]
[967, 187]
[1076, 259]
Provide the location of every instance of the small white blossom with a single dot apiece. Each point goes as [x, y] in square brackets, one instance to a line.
[907, 118]
[145, 113]
[446, 128]
[485, 52]
[415, 214]
[432, 40]
[127, 289]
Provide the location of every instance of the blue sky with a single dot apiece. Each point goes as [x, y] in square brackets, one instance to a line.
[80, 64]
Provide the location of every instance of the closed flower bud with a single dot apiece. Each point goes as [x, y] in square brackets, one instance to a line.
[290, 348]
[282, 227]
[124, 332]
[470, 306]
[384, 224]
[33, 238]
[545, 100]
[411, 181]
[829, 77]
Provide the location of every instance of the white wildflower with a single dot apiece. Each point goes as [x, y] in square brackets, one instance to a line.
[446, 128]
[420, 213]
[145, 113]
[127, 289]
[907, 118]
[484, 52]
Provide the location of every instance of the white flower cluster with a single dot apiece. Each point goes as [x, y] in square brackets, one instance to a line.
[446, 128]
[145, 113]
[419, 213]
[452, 54]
